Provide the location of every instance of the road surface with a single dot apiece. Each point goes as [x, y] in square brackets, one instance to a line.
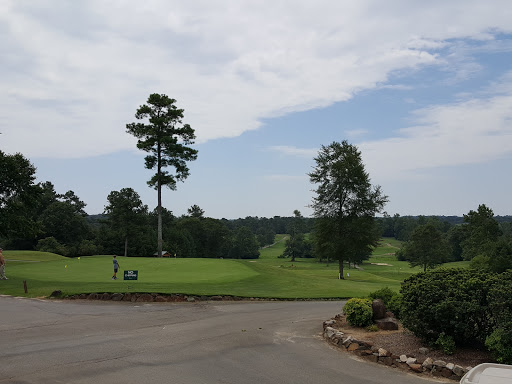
[53, 341]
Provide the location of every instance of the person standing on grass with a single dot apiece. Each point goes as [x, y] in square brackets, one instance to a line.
[116, 267]
[2, 266]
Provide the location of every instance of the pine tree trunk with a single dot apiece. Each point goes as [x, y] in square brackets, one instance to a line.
[126, 246]
[159, 207]
[341, 269]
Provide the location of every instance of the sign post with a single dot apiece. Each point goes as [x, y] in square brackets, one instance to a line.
[131, 275]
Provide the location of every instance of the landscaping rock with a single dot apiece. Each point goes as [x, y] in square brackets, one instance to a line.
[117, 297]
[458, 370]
[379, 309]
[411, 360]
[144, 298]
[352, 347]
[428, 363]
[106, 296]
[386, 360]
[387, 324]
[403, 358]
[329, 332]
[384, 353]
[160, 299]
[423, 350]
[440, 363]
[127, 297]
[416, 367]
[57, 293]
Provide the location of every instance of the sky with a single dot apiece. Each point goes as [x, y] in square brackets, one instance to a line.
[422, 88]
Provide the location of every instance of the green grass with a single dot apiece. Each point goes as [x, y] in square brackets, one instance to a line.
[267, 277]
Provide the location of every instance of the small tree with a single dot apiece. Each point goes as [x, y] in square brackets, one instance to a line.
[166, 140]
[426, 248]
[346, 203]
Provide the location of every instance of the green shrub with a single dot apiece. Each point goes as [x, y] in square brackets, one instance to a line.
[50, 244]
[372, 328]
[385, 294]
[446, 344]
[500, 344]
[450, 301]
[359, 312]
[395, 305]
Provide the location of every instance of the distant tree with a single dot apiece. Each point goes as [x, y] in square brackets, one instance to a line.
[345, 201]
[482, 232]
[296, 243]
[195, 211]
[497, 258]
[62, 221]
[167, 142]
[245, 245]
[426, 248]
[125, 213]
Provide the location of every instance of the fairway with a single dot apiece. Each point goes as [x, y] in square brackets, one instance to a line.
[266, 277]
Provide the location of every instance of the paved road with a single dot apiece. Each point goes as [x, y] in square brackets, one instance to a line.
[104, 342]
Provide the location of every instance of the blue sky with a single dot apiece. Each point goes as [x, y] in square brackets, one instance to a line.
[424, 89]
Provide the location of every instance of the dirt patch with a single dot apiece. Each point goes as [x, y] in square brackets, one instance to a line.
[403, 342]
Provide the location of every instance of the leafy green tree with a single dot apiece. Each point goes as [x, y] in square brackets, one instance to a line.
[126, 213]
[18, 200]
[245, 245]
[62, 221]
[346, 201]
[426, 248]
[482, 231]
[166, 140]
[497, 258]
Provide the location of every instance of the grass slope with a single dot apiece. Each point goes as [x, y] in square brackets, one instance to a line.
[267, 277]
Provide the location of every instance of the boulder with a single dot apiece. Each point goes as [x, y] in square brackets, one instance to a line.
[458, 370]
[127, 297]
[428, 363]
[416, 367]
[379, 309]
[106, 296]
[387, 324]
[352, 347]
[411, 360]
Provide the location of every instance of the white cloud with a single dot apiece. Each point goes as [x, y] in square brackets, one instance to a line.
[294, 151]
[75, 72]
[473, 131]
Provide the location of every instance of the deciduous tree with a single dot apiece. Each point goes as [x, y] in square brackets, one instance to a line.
[345, 201]
[126, 213]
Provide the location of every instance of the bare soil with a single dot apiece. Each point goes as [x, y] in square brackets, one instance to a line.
[403, 342]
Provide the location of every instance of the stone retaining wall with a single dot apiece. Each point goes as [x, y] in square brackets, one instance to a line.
[373, 353]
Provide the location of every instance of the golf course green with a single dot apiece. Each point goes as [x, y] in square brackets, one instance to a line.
[266, 277]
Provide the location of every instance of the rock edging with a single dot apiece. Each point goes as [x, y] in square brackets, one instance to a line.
[376, 354]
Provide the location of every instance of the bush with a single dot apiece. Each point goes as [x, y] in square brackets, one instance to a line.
[50, 244]
[359, 312]
[385, 294]
[395, 305]
[372, 328]
[500, 344]
[450, 301]
[446, 344]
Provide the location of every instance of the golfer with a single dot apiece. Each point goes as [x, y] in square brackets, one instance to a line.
[116, 267]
